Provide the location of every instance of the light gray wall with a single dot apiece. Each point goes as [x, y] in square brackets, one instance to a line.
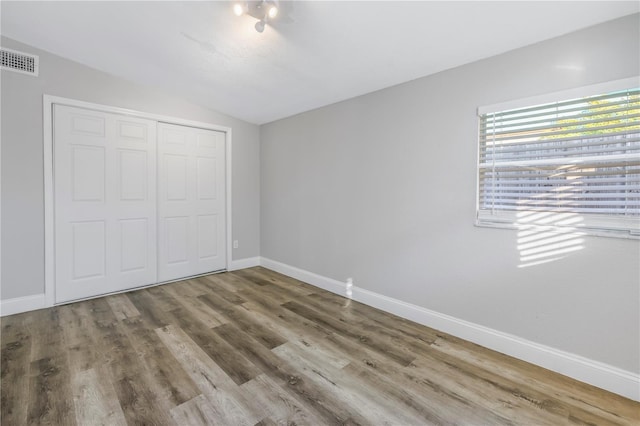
[22, 158]
[382, 188]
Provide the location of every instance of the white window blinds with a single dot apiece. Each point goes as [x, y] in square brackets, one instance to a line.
[578, 156]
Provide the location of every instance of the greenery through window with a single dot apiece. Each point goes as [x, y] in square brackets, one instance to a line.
[577, 158]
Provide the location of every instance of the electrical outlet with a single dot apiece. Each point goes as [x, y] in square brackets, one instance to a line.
[235, 244]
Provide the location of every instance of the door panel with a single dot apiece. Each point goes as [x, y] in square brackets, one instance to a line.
[132, 172]
[85, 124]
[176, 177]
[88, 249]
[207, 236]
[87, 173]
[206, 178]
[134, 131]
[105, 202]
[177, 239]
[191, 204]
[134, 244]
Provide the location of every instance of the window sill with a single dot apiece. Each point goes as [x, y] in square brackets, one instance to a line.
[577, 230]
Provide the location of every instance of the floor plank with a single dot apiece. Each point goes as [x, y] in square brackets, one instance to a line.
[277, 404]
[14, 370]
[365, 399]
[242, 318]
[187, 298]
[325, 405]
[254, 347]
[196, 412]
[173, 385]
[138, 401]
[211, 379]
[122, 306]
[95, 400]
[371, 341]
[49, 392]
[235, 365]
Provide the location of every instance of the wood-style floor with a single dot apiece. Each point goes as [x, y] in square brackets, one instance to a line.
[255, 347]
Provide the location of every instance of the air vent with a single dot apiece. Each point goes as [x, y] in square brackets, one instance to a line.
[23, 63]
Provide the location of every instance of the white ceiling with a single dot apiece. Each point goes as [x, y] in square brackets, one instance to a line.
[315, 53]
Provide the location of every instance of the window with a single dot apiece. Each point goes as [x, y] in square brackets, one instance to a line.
[570, 163]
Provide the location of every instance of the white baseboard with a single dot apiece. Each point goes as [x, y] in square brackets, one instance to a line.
[31, 303]
[22, 304]
[602, 375]
[324, 283]
[586, 370]
[249, 262]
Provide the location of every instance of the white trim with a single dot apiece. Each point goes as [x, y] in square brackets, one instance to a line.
[47, 120]
[0, 198]
[49, 246]
[19, 305]
[324, 283]
[248, 262]
[229, 193]
[142, 287]
[586, 370]
[563, 95]
[48, 99]
[22, 304]
[588, 224]
[596, 373]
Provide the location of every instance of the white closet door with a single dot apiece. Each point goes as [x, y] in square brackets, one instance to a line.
[105, 202]
[191, 201]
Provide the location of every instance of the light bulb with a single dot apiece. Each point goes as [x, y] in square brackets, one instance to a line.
[260, 26]
[238, 9]
[273, 12]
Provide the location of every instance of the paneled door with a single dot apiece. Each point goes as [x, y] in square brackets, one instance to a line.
[191, 201]
[105, 202]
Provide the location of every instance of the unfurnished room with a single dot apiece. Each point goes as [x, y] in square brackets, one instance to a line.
[320, 213]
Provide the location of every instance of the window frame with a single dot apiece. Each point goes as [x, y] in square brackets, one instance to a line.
[590, 224]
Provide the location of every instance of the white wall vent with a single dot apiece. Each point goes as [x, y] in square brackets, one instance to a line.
[24, 63]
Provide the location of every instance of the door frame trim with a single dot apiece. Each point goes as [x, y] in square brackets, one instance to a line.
[48, 101]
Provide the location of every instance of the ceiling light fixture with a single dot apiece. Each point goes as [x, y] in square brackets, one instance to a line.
[273, 11]
[262, 10]
[238, 9]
